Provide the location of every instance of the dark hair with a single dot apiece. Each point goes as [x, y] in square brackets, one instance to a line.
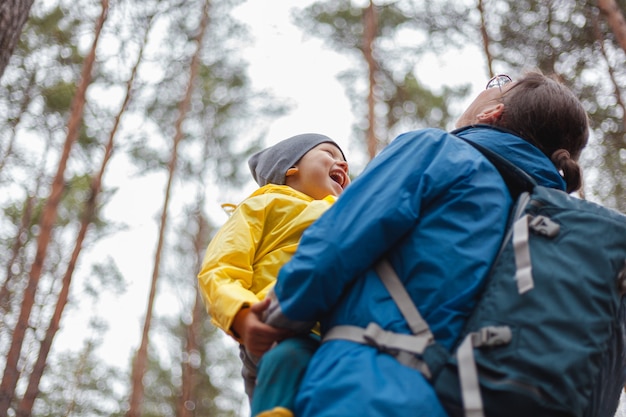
[547, 114]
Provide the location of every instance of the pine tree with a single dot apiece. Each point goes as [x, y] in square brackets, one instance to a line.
[79, 384]
[38, 91]
[48, 218]
[396, 100]
[13, 15]
[576, 41]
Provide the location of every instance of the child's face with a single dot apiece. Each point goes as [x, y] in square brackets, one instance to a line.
[320, 172]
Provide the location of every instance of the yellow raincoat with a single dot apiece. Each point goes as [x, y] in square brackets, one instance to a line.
[243, 259]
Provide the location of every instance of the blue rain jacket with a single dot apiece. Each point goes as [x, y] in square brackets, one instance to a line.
[437, 209]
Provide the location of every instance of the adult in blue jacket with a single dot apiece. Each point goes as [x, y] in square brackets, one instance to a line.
[437, 209]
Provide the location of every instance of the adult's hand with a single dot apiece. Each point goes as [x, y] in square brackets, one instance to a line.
[255, 335]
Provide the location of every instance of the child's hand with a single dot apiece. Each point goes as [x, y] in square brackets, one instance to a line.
[255, 335]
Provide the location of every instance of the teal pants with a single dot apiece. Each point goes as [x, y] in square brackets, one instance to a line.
[280, 371]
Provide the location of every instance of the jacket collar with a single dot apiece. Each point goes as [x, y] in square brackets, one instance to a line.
[516, 150]
[281, 189]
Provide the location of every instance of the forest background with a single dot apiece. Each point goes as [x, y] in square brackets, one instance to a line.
[125, 125]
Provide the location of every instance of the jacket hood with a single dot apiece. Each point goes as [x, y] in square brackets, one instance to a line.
[280, 189]
[516, 150]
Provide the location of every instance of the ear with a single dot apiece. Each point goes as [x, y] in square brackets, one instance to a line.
[491, 114]
[291, 171]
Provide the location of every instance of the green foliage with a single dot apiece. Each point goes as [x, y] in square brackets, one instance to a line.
[215, 376]
[80, 384]
[14, 211]
[566, 37]
[77, 192]
[573, 40]
[414, 101]
[146, 159]
[55, 23]
[402, 101]
[160, 397]
[105, 277]
[58, 97]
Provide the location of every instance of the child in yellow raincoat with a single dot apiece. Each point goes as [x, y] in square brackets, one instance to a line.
[299, 178]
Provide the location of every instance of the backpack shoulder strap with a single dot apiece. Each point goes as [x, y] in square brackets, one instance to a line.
[396, 289]
[516, 178]
[403, 346]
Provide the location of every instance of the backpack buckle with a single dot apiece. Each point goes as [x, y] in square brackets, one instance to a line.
[491, 336]
[390, 342]
[544, 226]
[621, 280]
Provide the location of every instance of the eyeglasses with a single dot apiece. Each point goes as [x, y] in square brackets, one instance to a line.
[499, 81]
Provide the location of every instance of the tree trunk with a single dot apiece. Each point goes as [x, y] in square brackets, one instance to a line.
[26, 405]
[193, 330]
[188, 370]
[141, 358]
[370, 29]
[485, 37]
[48, 218]
[612, 76]
[13, 16]
[615, 19]
[76, 377]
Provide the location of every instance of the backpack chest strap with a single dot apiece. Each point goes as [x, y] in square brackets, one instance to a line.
[403, 347]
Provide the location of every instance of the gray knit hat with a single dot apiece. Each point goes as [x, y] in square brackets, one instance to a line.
[270, 165]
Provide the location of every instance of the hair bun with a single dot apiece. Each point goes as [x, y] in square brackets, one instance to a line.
[560, 156]
[569, 168]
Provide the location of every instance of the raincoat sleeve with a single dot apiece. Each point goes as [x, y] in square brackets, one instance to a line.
[227, 269]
